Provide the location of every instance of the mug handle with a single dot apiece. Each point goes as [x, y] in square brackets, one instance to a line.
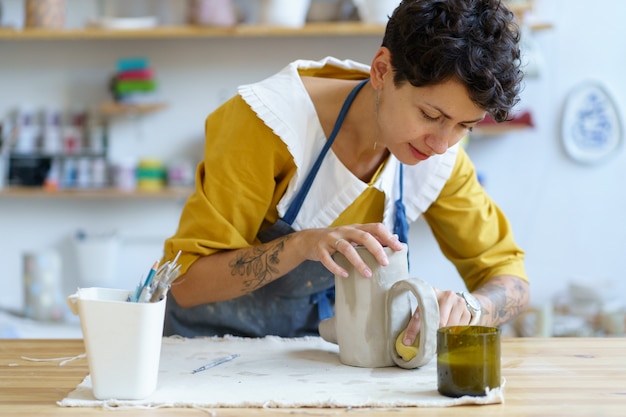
[398, 319]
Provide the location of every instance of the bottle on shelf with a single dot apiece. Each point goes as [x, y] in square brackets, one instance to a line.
[74, 132]
[27, 131]
[51, 139]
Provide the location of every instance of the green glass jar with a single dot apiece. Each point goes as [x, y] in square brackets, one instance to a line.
[468, 360]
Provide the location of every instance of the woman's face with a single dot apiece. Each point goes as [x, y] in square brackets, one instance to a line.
[415, 123]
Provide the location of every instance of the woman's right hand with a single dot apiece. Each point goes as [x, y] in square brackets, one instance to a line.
[321, 244]
[230, 273]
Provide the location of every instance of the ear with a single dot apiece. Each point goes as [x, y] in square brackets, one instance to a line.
[381, 68]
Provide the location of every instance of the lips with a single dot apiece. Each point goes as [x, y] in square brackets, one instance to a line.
[417, 154]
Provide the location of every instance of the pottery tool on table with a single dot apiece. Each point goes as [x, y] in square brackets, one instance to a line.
[215, 363]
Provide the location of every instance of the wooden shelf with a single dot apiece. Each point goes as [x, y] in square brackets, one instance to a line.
[118, 109]
[341, 28]
[186, 32]
[484, 131]
[345, 28]
[168, 193]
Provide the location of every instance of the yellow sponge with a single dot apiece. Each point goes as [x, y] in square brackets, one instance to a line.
[406, 352]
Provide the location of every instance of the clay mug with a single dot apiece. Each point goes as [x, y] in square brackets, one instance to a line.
[370, 313]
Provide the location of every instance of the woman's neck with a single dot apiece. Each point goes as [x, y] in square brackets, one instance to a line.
[355, 145]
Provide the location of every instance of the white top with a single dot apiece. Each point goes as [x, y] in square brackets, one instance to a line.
[284, 105]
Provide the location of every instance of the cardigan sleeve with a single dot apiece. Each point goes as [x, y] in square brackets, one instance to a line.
[243, 174]
[472, 231]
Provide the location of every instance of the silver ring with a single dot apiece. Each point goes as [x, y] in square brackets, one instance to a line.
[337, 242]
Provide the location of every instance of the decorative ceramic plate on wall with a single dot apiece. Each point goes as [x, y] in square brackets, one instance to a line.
[591, 128]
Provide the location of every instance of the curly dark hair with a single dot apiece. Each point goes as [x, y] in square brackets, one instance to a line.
[476, 41]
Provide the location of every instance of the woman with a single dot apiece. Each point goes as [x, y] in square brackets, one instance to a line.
[327, 155]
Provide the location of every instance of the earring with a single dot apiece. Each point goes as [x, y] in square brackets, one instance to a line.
[376, 104]
[376, 120]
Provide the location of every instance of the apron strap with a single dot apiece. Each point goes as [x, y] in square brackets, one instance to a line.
[297, 202]
[400, 225]
[323, 299]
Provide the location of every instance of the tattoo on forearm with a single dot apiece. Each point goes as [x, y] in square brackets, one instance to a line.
[259, 264]
[508, 299]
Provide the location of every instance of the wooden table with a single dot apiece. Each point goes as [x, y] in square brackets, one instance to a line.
[544, 377]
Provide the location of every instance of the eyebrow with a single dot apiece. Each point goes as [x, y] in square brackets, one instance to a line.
[447, 116]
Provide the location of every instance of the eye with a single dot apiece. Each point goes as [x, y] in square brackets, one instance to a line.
[428, 117]
[468, 127]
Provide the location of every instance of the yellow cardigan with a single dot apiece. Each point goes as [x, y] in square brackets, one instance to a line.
[247, 170]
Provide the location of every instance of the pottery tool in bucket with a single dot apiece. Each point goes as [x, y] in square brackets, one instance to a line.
[158, 282]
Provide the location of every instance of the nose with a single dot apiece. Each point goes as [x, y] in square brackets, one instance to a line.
[438, 141]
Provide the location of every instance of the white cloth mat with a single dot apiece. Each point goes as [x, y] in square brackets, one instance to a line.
[276, 372]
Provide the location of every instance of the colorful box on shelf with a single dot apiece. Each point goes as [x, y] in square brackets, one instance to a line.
[124, 87]
[134, 82]
[132, 64]
[150, 175]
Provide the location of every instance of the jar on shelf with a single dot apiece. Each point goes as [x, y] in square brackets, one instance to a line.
[47, 14]
[150, 175]
[288, 13]
[52, 138]
[212, 13]
[28, 131]
[124, 174]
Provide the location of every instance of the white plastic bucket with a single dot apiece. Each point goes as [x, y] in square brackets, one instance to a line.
[122, 340]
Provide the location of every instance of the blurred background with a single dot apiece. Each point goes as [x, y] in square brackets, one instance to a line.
[103, 104]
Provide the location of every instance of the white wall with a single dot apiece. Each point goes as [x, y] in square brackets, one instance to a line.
[565, 215]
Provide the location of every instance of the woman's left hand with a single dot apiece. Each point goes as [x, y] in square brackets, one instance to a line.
[452, 312]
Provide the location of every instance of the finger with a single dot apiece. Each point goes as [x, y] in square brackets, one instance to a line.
[393, 242]
[460, 311]
[349, 237]
[373, 245]
[454, 317]
[452, 309]
[412, 329]
[338, 242]
[327, 260]
[384, 236]
[447, 300]
[354, 258]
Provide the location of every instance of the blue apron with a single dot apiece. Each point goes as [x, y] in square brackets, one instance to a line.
[290, 306]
